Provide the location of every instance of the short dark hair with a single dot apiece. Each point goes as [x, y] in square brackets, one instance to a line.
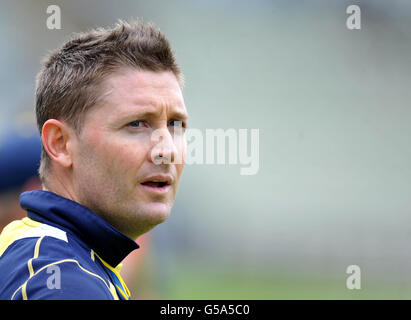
[70, 81]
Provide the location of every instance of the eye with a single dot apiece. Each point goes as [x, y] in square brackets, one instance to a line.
[137, 124]
[177, 123]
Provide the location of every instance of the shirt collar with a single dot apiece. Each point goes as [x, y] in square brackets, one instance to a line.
[50, 208]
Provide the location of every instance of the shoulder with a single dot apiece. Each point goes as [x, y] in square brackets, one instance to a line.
[64, 280]
[44, 262]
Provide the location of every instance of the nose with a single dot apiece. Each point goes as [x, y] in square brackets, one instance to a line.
[164, 150]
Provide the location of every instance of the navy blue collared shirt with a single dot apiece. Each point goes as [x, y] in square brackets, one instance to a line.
[62, 250]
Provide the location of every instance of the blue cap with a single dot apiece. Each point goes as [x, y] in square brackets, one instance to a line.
[19, 159]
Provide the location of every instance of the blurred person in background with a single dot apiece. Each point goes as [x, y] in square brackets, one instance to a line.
[19, 162]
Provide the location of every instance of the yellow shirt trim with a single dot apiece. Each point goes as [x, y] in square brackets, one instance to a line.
[116, 271]
[35, 255]
[14, 230]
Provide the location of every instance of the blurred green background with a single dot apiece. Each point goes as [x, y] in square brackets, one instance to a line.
[333, 112]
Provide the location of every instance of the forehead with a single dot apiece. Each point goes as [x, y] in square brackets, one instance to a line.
[130, 91]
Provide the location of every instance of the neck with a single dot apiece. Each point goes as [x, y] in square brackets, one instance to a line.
[60, 186]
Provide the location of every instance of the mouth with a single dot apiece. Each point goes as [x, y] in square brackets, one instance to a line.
[158, 184]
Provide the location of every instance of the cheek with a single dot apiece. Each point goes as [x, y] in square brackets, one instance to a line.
[181, 160]
[123, 158]
[114, 157]
[131, 156]
[179, 169]
[181, 147]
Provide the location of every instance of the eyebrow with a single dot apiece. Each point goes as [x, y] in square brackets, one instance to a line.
[178, 114]
[148, 112]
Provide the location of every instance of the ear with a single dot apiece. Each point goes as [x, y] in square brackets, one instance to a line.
[56, 137]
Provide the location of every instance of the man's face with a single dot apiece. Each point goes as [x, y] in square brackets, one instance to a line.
[113, 168]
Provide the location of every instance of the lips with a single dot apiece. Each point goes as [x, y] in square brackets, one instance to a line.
[155, 184]
[158, 183]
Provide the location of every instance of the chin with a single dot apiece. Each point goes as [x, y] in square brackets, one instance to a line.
[148, 216]
[155, 213]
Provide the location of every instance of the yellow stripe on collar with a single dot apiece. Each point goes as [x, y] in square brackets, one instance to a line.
[125, 292]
